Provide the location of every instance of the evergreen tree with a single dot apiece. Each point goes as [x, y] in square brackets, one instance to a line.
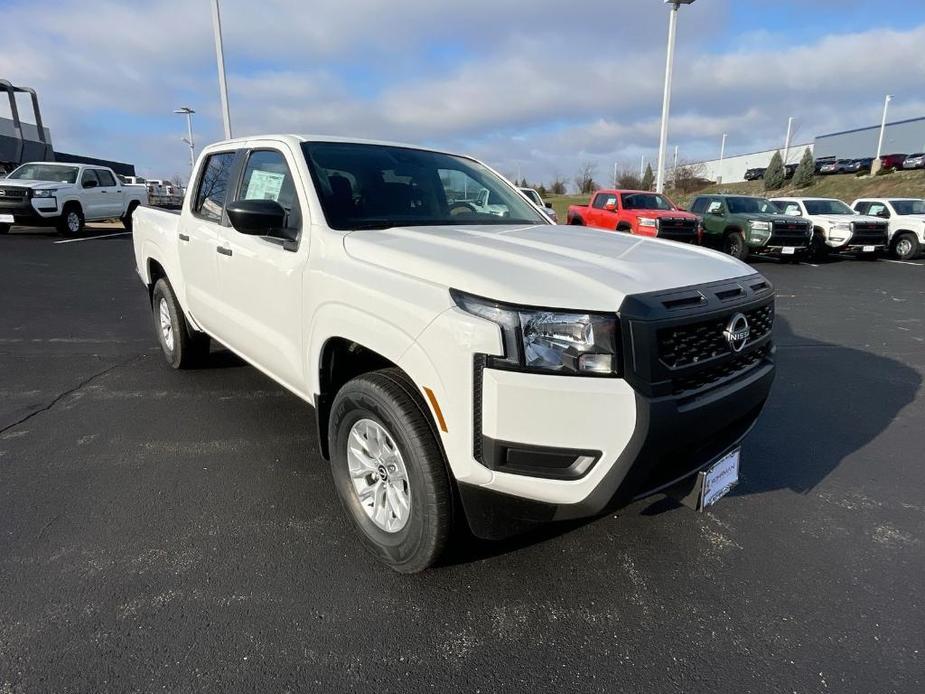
[775, 175]
[803, 178]
[648, 179]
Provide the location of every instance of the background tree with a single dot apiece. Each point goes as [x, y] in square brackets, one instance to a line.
[584, 179]
[775, 175]
[557, 187]
[803, 177]
[629, 180]
[648, 179]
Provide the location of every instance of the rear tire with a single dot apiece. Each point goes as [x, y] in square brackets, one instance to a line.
[183, 347]
[401, 460]
[736, 246]
[906, 246]
[5, 228]
[71, 222]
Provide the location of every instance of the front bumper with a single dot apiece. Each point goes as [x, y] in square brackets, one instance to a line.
[30, 211]
[600, 443]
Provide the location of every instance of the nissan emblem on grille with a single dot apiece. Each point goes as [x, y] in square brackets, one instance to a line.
[737, 332]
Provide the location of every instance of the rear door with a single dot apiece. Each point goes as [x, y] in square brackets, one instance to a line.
[200, 238]
[111, 195]
[260, 277]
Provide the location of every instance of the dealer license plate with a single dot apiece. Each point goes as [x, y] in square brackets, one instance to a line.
[869, 249]
[788, 250]
[6, 219]
[719, 478]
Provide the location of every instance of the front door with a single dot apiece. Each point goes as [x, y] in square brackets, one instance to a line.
[260, 277]
[111, 195]
[91, 197]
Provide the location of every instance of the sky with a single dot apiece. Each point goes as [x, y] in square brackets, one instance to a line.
[533, 88]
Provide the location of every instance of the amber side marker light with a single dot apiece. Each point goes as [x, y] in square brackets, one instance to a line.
[436, 406]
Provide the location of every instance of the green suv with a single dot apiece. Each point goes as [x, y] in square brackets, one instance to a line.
[743, 225]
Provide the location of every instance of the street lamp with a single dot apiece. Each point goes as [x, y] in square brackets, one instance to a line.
[666, 98]
[220, 60]
[886, 105]
[188, 112]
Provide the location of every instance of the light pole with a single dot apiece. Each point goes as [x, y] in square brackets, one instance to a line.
[188, 112]
[722, 149]
[666, 97]
[886, 105]
[220, 60]
[787, 139]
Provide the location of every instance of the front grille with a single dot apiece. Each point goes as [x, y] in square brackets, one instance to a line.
[789, 234]
[9, 193]
[677, 229]
[724, 371]
[870, 233]
[686, 345]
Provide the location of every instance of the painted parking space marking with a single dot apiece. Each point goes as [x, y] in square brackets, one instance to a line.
[904, 262]
[94, 238]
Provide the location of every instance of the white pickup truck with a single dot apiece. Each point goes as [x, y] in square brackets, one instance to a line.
[66, 196]
[461, 363]
[837, 228]
[906, 220]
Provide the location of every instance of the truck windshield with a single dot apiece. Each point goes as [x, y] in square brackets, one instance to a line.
[908, 206]
[533, 195]
[45, 172]
[827, 207]
[646, 201]
[365, 186]
[751, 206]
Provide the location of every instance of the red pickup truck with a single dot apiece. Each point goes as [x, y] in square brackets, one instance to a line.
[637, 212]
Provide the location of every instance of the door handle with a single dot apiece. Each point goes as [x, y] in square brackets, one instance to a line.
[223, 250]
[184, 237]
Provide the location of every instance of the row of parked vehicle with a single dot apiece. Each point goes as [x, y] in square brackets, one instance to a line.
[830, 165]
[792, 228]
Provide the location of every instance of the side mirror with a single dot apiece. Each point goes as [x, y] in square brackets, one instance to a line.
[549, 205]
[91, 184]
[610, 206]
[884, 213]
[259, 218]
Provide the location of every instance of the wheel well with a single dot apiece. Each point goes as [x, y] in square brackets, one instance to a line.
[341, 360]
[73, 203]
[577, 221]
[155, 272]
[132, 205]
[624, 226]
[731, 230]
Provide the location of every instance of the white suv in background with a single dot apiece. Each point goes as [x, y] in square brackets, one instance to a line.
[837, 228]
[906, 220]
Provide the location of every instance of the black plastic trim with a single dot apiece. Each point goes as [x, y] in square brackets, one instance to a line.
[546, 462]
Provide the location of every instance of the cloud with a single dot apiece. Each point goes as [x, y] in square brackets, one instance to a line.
[526, 86]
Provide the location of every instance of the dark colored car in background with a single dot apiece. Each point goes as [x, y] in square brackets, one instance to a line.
[915, 161]
[892, 161]
[838, 166]
[862, 164]
[754, 174]
[789, 170]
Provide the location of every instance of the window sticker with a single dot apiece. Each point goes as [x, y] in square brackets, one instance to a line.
[264, 185]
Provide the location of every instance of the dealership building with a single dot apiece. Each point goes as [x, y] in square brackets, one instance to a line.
[900, 137]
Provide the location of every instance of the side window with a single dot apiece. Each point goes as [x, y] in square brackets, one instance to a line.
[862, 207]
[715, 207]
[267, 177]
[700, 204]
[213, 185]
[878, 209]
[106, 179]
[88, 176]
[602, 199]
[792, 209]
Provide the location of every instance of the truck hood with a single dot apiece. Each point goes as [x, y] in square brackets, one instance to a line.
[771, 217]
[545, 265]
[836, 218]
[32, 185]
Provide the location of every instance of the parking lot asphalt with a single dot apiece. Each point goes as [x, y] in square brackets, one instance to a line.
[178, 531]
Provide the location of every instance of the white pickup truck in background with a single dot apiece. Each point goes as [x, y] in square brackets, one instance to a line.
[66, 196]
[906, 219]
[837, 228]
[462, 362]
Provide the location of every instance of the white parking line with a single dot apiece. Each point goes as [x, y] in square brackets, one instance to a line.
[93, 238]
[903, 262]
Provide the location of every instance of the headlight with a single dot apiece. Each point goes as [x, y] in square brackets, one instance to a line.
[647, 222]
[840, 226]
[760, 226]
[47, 193]
[548, 341]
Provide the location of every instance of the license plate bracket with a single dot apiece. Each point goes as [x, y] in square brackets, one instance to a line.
[710, 484]
[868, 249]
[788, 250]
[6, 219]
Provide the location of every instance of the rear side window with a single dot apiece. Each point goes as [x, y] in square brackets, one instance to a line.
[106, 179]
[213, 186]
[267, 177]
[602, 199]
[700, 204]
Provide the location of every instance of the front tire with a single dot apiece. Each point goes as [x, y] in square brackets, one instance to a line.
[906, 246]
[183, 348]
[71, 222]
[736, 246]
[389, 470]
